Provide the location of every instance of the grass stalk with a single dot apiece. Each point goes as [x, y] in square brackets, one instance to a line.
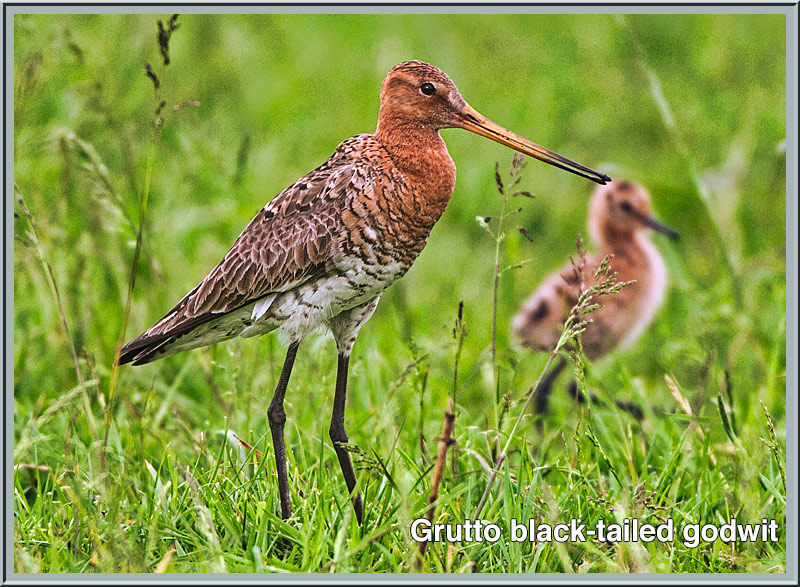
[36, 245]
[772, 444]
[132, 280]
[574, 326]
[518, 163]
[164, 34]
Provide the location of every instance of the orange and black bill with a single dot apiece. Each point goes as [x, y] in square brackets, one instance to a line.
[473, 121]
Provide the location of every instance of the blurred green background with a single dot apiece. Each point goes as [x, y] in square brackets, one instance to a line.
[692, 106]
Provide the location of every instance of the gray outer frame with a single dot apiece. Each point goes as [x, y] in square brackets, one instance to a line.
[790, 11]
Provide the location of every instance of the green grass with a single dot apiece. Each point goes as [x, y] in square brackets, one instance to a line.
[174, 491]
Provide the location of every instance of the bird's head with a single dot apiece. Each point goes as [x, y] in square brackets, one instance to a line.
[418, 94]
[623, 208]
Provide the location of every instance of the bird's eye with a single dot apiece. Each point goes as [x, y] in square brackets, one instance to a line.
[428, 89]
[626, 206]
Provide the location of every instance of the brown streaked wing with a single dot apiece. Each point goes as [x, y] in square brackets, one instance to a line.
[287, 243]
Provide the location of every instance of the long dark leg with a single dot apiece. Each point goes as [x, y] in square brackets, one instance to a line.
[575, 393]
[632, 408]
[546, 386]
[339, 434]
[277, 418]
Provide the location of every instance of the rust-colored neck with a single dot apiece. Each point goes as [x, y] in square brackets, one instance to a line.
[408, 141]
[613, 238]
[625, 244]
[420, 154]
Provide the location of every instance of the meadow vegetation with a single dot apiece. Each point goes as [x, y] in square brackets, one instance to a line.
[150, 468]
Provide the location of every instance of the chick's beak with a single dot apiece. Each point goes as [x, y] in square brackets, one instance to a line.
[470, 119]
[659, 227]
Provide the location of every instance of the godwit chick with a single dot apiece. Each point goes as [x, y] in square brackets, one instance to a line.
[619, 220]
[321, 253]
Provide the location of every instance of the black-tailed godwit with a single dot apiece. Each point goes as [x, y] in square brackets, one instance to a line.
[321, 253]
[620, 219]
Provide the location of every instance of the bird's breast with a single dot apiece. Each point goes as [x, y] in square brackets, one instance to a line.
[388, 223]
[430, 184]
[631, 309]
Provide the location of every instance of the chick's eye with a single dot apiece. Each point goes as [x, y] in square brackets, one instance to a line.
[626, 207]
[428, 89]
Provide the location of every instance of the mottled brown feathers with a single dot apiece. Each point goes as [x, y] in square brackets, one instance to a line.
[356, 202]
[288, 242]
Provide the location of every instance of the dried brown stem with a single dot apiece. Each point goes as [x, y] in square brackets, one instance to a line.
[438, 470]
[250, 447]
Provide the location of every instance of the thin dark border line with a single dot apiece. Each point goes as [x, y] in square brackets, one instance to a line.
[383, 4]
[8, 459]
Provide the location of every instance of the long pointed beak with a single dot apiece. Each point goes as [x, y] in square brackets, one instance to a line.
[658, 226]
[471, 120]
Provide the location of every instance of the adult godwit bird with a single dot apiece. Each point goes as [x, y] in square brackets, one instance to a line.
[620, 219]
[321, 253]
